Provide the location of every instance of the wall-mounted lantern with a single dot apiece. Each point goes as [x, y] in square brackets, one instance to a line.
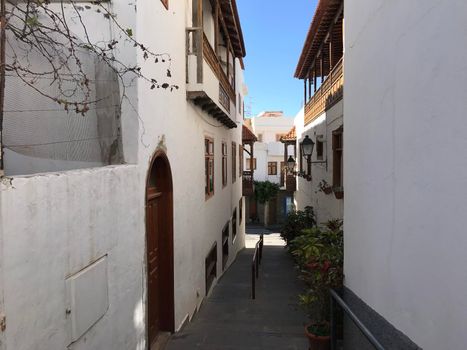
[307, 146]
[291, 165]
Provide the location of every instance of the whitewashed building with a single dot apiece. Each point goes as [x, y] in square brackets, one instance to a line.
[320, 122]
[269, 163]
[269, 128]
[405, 170]
[116, 237]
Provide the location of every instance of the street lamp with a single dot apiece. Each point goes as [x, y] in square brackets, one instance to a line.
[307, 147]
[291, 164]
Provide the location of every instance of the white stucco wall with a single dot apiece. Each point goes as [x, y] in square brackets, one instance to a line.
[405, 168]
[55, 224]
[269, 150]
[326, 206]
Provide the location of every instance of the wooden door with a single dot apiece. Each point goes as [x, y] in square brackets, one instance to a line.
[159, 247]
[153, 245]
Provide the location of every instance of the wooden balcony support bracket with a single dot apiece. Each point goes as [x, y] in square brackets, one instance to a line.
[202, 100]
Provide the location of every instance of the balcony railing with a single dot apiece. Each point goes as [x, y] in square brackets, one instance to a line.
[329, 93]
[248, 183]
[215, 99]
[211, 58]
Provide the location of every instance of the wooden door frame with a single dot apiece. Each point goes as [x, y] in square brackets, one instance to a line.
[168, 323]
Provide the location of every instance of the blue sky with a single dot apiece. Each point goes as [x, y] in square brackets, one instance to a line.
[274, 32]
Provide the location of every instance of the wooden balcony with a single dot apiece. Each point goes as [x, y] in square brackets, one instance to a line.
[291, 183]
[211, 58]
[217, 98]
[329, 93]
[248, 188]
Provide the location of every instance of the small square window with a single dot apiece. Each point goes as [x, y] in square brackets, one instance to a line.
[319, 150]
[272, 168]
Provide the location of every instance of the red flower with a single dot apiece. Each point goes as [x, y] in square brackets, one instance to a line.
[326, 266]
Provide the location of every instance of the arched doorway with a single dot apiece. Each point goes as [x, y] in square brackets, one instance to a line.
[159, 247]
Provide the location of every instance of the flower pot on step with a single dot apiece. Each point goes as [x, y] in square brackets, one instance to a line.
[317, 342]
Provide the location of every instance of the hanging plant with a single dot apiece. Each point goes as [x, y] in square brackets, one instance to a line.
[325, 187]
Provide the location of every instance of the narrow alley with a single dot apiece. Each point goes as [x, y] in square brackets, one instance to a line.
[230, 319]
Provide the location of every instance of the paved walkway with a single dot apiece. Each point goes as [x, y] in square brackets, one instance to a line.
[229, 319]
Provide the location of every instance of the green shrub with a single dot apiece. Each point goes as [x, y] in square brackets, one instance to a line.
[297, 221]
[319, 253]
[265, 191]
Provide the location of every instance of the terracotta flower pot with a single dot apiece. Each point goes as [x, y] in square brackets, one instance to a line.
[327, 190]
[339, 194]
[318, 342]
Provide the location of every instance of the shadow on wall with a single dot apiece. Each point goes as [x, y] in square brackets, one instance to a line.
[39, 135]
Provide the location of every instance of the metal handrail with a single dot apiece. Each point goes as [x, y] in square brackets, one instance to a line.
[257, 257]
[335, 297]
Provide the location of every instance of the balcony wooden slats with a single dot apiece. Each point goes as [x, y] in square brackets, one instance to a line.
[329, 93]
[213, 61]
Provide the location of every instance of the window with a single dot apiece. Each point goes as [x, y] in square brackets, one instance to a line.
[234, 162]
[260, 137]
[240, 210]
[211, 267]
[319, 150]
[225, 245]
[337, 157]
[166, 3]
[234, 224]
[272, 168]
[248, 163]
[224, 164]
[209, 167]
[240, 160]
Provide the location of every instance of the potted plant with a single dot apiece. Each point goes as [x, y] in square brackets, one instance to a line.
[319, 254]
[325, 187]
[338, 192]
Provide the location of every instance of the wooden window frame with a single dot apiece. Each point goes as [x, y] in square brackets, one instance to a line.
[165, 3]
[224, 164]
[240, 160]
[248, 162]
[209, 167]
[337, 158]
[234, 162]
[272, 168]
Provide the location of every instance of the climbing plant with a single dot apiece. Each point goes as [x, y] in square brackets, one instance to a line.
[40, 28]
